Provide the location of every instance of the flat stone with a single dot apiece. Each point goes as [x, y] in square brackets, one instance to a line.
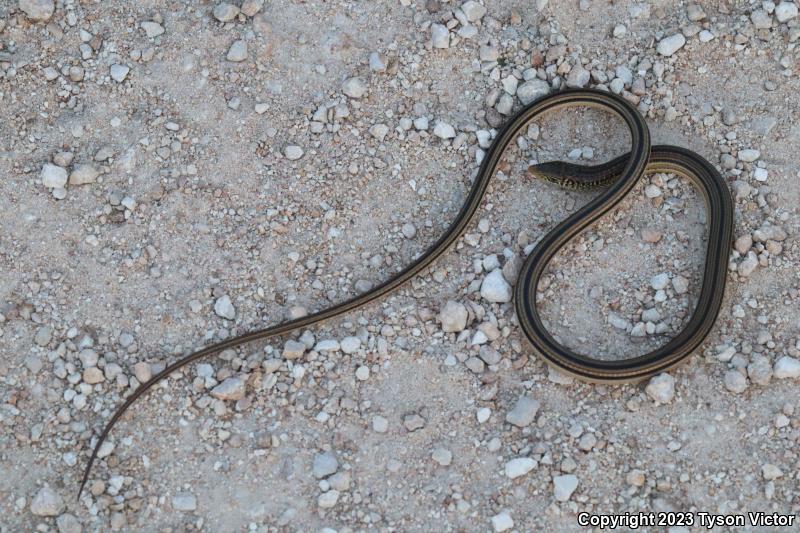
[787, 367]
[442, 456]
[749, 155]
[237, 52]
[223, 307]
[443, 130]
[354, 87]
[251, 7]
[661, 388]
[669, 45]
[761, 19]
[735, 381]
[413, 422]
[293, 350]
[83, 175]
[785, 11]
[232, 388]
[564, 486]
[519, 467]
[578, 77]
[502, 522]
[38, 10]
[47, 502]
[524, 412]
[152, 29]
[324, 465]
[531, 90]
[453, 316]
[440, 36]
[327, 345]
[473, 10]
[119, 72]
[495, 288]
[293, 152]
[225, 12]
[328, 499]
[184, 501]
[748, 265]
[43, 336]
[67, 523]
[53, 176]
[350, 344]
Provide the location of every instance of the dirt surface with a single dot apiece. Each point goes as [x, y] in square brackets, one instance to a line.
[177, 173]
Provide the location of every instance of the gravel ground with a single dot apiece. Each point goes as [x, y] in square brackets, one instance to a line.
[177, 173]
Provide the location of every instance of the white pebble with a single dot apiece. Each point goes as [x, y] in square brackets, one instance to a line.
[669, 45]
[519, 467]
[661, 388]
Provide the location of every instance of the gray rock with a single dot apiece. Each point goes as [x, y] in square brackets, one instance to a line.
[328, 499]
[184, 501]
[785, 11]
[232, 388]
[680, 284]
[769, 233]
[354, 87]
[495, 288]
[225, 12]
[669, 45]
[327, 345]
[293, 349]
[43, 336]
[749, 155]
[473, 10]
[743, 243]
[224, 308]
[442, 456]
[152, 29]
[377, 62]
[293, 152]
[519, 467]
[453, 316]
[67, 523]
[531, 90]
[524, 412]
[502, 522]
[380, 424]
[564, 486]
[748, 265]
[251, 7]
[787, 367]
[661, 388]
[325, 464]
[53, 176]
[695, 12]
[759, 370]
[761, 19]
[83, 175]
[47, 502]
[350, 344]
[443, 130]
[119, 72]
[660, 281]
[413, 422]
[735, 381]
[440, 36]
[38, 10]
[578, 77]
[237, 52]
